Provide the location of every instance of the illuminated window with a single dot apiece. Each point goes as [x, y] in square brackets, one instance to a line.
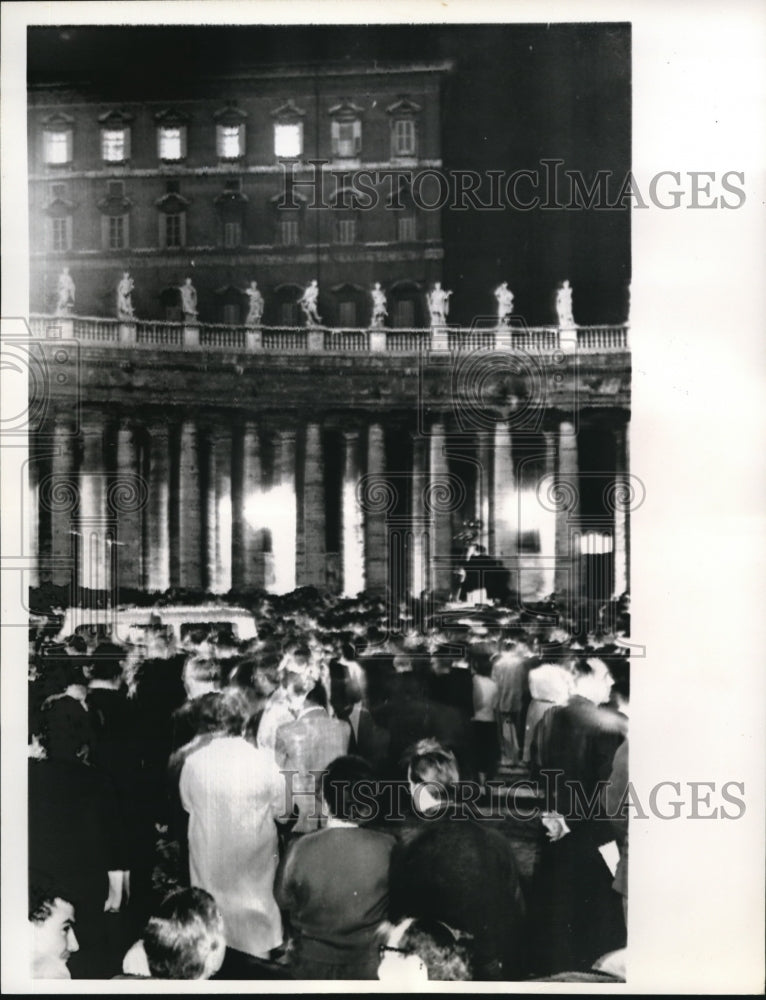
[230, 141]
[171, 142]
[115, 145]
[57, 146]
[288, 139]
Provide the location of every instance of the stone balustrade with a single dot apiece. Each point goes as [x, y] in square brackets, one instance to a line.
[95, 330]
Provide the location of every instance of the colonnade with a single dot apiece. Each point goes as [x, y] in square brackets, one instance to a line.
[220, 501]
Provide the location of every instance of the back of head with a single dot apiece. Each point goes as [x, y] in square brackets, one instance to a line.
[430, 762]
[105, 662]
[347, 787]
[442, 955]
[185, 938]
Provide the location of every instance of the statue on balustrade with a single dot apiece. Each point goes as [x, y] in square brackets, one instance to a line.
[188, 299]
[438, 304]
[309, 303]
[254, 305]
[65, 290]
[379, 311]
[564, 306]
[124, 300]
[504, 297]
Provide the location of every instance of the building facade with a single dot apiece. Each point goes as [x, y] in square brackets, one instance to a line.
[280, 176]
[203, 451]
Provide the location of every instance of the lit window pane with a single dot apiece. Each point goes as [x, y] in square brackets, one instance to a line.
[116, 232]
[57, 147]
[113, 145]
[288, 140]
[170, 144]
[229, 144]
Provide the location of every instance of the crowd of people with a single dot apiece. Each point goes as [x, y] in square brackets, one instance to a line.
[335, 799]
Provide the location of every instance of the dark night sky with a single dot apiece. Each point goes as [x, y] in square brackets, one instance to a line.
[519, 93]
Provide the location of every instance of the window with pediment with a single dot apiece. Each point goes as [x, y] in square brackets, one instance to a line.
[346, 130]
[115, 136]
[404, 117]
[288, 131]
[172, 208]
[230, 132]
[171, 136]
[58, 137]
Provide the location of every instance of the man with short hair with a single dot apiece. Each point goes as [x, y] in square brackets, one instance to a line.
[334, 882]
[52, 920]
[573, 747]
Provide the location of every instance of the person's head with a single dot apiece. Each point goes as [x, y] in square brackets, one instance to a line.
[432, 773]
[227, 712]
[201, 675]
[421, 950]
[480, 660]
[106, 662]
[52, 919]
[347, 787]
[76, 645]
[299, 674]
[593, 679]
[185, 937]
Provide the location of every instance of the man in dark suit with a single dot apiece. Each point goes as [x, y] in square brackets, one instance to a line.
[573, 749]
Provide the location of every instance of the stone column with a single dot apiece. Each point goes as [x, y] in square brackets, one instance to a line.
[248, 565]
[546, 508]
[419, 554]
[189, 508]
[32, 546]
[567, 511]
[351, 518]
[621, 494]
[483, 479]
[441, 502]
[284, 512]
[126, 492]
[157, 523]
[219, 510]
[59, 496]
[375, 529]
[96, 534]
[505, 498]
[312, 572]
